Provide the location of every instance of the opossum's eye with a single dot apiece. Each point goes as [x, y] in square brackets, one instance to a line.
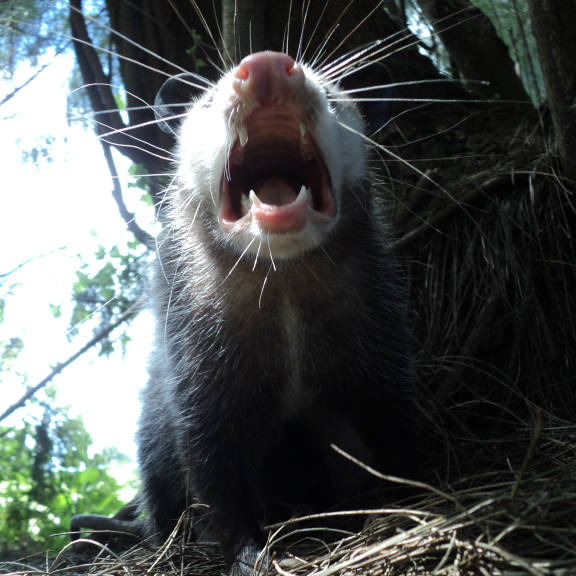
[174, 98]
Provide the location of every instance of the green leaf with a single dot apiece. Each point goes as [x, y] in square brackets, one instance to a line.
[72, 482]
[56, 310]
[147, 199]
[9, 350]
[124, 339]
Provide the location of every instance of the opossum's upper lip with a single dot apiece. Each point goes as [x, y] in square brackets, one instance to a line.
[277, 180]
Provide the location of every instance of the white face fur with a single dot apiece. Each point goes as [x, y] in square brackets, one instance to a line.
[211, 139]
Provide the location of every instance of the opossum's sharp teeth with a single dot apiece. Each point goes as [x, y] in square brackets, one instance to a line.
[305, 195]
[254, 199]
[276, 179]
[246, 204]
[243, 136]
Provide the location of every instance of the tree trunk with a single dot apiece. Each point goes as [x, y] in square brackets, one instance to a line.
[554, 24]
[473, 44]
[242, 29]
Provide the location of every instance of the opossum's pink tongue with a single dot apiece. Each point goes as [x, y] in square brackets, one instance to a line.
[278, 206]
[276, 191]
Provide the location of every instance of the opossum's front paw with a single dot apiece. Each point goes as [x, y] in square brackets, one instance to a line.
[248, 564]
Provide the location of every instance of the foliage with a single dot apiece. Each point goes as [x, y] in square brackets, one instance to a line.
[47, 470]
[140, 179]
[199, 63]
[108, 288]
[9, 349]
[42, 151]
[48, 475]
[31, 29]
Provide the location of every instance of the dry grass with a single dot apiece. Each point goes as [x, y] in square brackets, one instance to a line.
[517, 520]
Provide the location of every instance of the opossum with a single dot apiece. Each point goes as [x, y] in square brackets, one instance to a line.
[281, 323]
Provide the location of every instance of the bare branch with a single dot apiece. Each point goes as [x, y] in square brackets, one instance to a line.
[100, 93]
[127, 216]
[31, 260]
[100, 336]
[17, 89]
[109, 121]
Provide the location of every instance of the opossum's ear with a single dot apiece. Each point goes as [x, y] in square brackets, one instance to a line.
[375, 103]
[174, 98]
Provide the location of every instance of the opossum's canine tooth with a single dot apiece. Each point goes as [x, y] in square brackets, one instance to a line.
[246, 204]
[243, 135]
[303, 128]
[303, 195]
[254, 198]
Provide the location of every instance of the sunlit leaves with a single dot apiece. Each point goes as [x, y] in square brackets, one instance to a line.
[106, 289]
[48, 475]
[30, 28]
[9, 349]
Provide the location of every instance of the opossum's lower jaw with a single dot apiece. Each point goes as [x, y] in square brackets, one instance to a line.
[276, 188]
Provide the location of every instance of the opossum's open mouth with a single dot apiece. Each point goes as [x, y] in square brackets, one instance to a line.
[276, 178]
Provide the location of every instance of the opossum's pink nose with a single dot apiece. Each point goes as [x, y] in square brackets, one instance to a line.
[269, 77]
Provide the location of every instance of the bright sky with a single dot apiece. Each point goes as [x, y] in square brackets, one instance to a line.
[45, 207]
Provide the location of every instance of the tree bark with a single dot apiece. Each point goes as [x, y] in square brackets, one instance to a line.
[242, 29]
[476, 48]
[99, 91]
[554, 25]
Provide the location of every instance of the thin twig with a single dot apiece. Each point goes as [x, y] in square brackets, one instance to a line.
[100, 336]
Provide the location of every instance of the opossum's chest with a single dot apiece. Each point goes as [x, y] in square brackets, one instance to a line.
[291, 342]
[298, 395]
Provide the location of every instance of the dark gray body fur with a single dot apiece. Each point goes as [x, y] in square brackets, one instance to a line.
[257, 371]
[332, 325]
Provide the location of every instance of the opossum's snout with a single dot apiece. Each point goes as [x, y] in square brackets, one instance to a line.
[275, 181]
[268, 77]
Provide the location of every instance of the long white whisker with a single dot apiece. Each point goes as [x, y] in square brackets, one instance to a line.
[263, 285]
[355, 28]
[305, 7]
[368, 53]
[140, 46]
[270, 251]
[240, 258]
[315, 28]
[287, 36]
[257, 253]
[419, 172]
